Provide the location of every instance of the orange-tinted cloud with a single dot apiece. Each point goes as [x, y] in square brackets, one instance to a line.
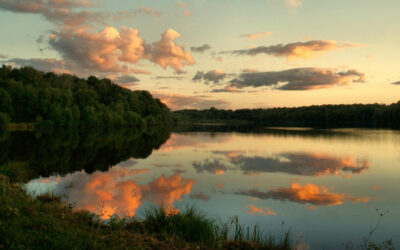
[376, 187]
[260, 211]
[253, 36]
[293, 3]
[115, 192]
[187, 13]
[303, 50]
[104, 51]
[168, 54]
[298, 79]
[181, 5]
[309, 193]
[110, 50]
[165, 191]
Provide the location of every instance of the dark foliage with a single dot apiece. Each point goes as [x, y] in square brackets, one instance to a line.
[324, 115]
[50, 100]
[27, 155]
[3, 120]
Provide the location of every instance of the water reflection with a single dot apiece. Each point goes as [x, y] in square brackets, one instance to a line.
[260, 211]
[264, 177]
[117, 191]
[307, 164]
[309, 193]
[64, 152]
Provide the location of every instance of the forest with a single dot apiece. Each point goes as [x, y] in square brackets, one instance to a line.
[379, 115]
[50, 100]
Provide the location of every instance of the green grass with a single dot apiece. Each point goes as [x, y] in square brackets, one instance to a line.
[192, 225]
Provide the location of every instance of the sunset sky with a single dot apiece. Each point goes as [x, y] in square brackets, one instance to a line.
[222, 53]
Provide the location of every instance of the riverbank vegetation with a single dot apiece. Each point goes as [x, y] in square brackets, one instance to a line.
[354, 115]
[50, 100]
[45, 222]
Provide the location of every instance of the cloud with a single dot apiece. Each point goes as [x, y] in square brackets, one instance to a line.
[396, 83]
[211, 76]
[115, 192]
[250, 70]
[128, 80]
[227, 89]
[2, 56]
[187, 13]
[298, 79]
[309, 193]
[293, 3]
[62, 12]
[184, 6]
[169, 77]
[110, 50]
[305, 164]
[40, 6]
[178, 102]
[253, 36]
[105, 51]
[180, 5]
[303, 50]
[149, 11]
[44, 64]
[260, 211]
[166, 53]
[214, 167]
[200, 49]
[200, 196]
[143, 10]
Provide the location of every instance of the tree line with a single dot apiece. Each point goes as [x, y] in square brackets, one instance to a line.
[63, 100]
[316, 115]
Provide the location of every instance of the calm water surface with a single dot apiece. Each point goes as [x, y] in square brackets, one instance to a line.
[325, 185]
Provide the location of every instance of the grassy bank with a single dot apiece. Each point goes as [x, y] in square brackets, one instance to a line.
[45, 222]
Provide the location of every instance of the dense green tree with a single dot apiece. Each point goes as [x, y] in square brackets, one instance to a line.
[50, 100]
[323, 115]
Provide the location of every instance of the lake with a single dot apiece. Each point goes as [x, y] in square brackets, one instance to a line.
[330, 187]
